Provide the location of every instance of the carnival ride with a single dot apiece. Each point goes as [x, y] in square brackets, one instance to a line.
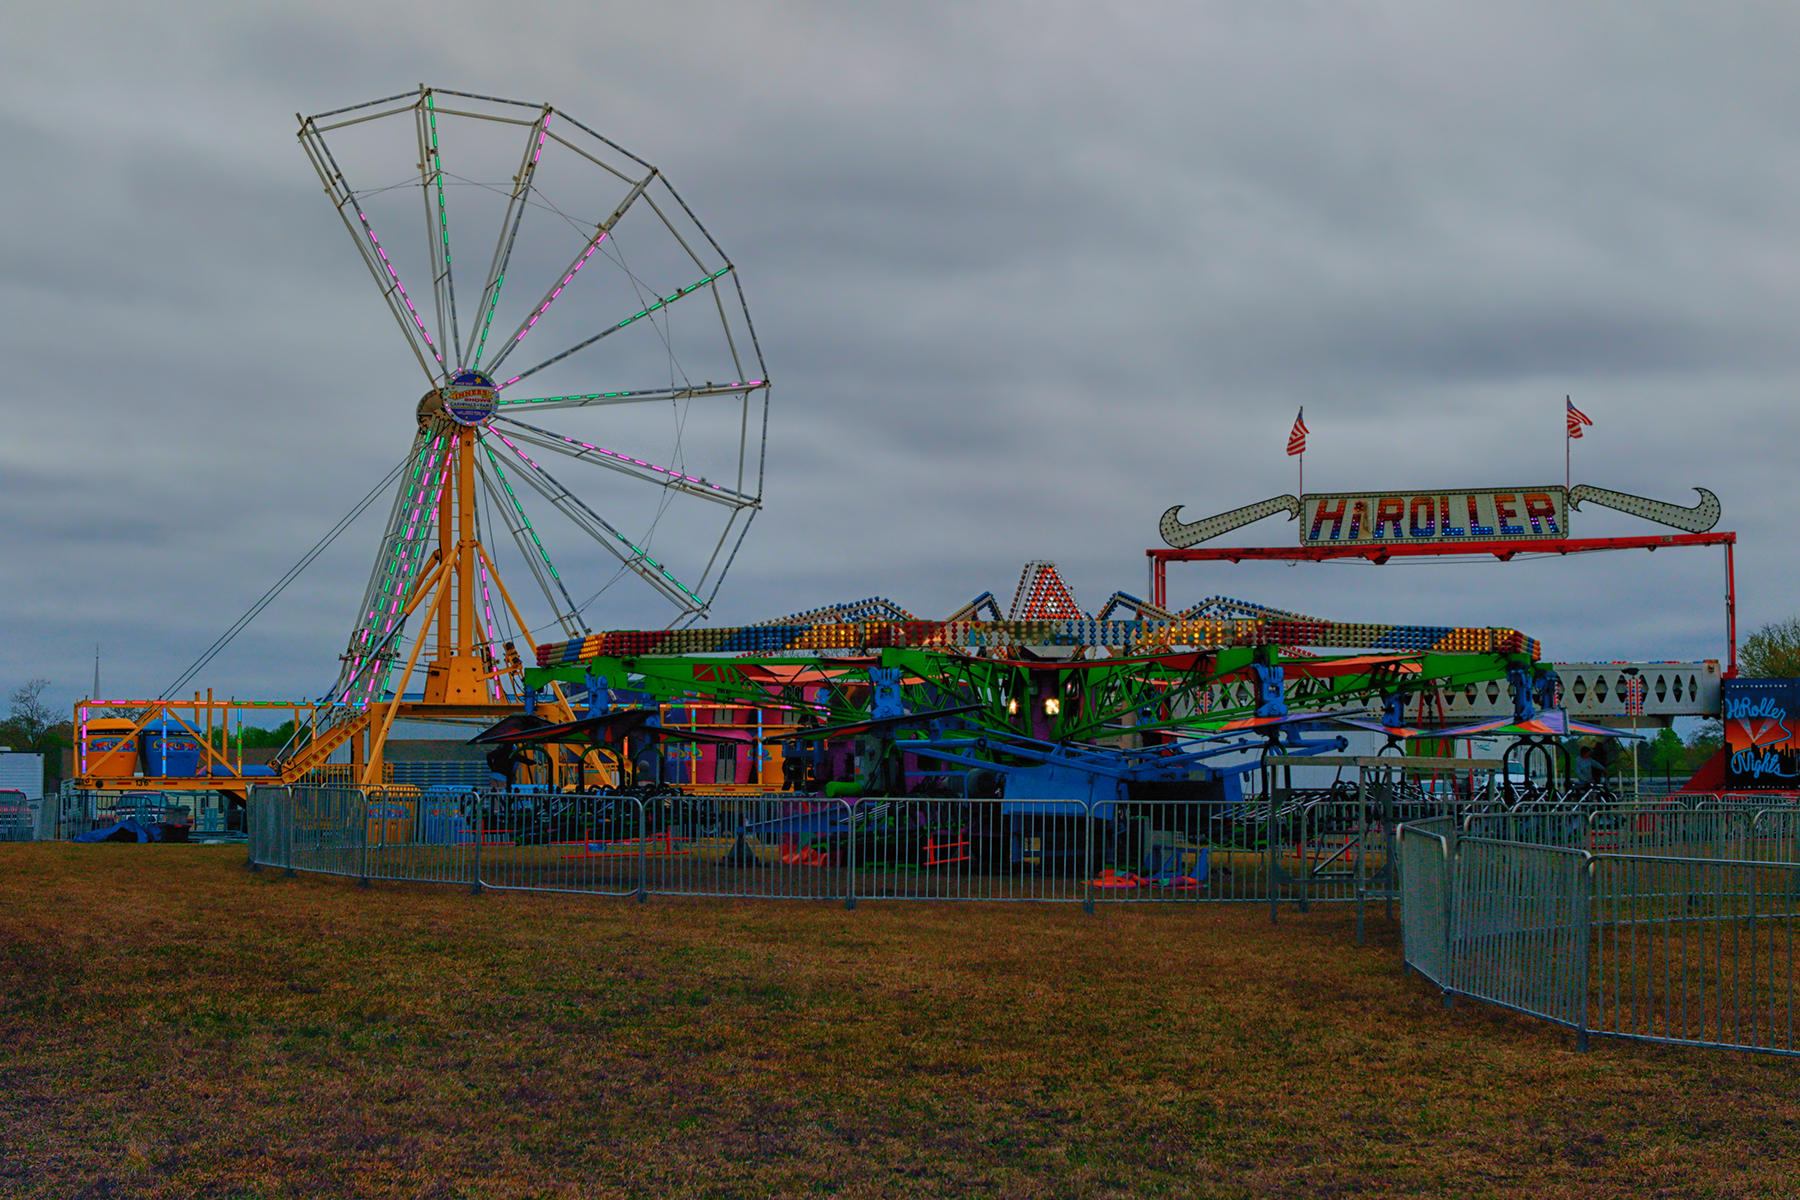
[1044, 705]
[587, 353]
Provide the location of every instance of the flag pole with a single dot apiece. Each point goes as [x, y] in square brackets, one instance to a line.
[1296, 447]
[1567, 477]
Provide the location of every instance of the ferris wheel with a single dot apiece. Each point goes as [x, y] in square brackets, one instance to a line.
[596, 402]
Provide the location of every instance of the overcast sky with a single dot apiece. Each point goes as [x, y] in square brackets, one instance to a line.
[1024, 275]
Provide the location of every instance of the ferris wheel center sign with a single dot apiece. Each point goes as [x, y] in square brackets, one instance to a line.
[1474, 516]
[470, 398]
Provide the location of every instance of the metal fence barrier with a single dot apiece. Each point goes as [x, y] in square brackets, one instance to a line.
[1300, 846]
[1657, 924]
[1518, 927]
[1425, 849]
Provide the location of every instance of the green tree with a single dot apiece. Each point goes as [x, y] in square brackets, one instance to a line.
[1667, 756]
[1772, 652]
[30, 729]
[29, 716]
[1707, 736]
[252, 737]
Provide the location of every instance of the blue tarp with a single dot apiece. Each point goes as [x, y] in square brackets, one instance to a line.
[128, 830]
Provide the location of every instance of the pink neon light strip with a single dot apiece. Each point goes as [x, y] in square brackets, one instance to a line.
[487, 619]
[542, 130]
[403, 569]
[638, 462]
[393, 617]
[545, 306]
[399, 287]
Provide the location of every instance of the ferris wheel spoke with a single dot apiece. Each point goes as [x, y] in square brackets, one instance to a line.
[525, 537]
[637, 396]
[678, 294]
[437, 225]
[725, 538]
[397, 565]
[625, 464]
[362, 232]
[634, 557]
[392, 562]
[509, 232]
[600, 234]
[403, 565]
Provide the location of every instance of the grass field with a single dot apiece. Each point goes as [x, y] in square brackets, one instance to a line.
[172, 1025]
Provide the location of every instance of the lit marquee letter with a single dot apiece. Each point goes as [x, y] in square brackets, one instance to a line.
[1333, 513]
[1540, 510]
[1476, 528]
[1389, 509]
[1506, 505]
[1422, 504]
[1445, 528]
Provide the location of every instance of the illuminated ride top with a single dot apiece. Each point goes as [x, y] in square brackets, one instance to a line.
[865, 698]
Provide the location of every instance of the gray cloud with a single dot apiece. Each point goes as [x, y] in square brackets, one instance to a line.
[1024, 275]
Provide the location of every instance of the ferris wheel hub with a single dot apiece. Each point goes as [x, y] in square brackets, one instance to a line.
[469, 399]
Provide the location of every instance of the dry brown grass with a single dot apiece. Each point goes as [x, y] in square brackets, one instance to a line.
[171, 1025]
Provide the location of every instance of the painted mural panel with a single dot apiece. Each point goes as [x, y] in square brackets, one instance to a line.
[1762, 733]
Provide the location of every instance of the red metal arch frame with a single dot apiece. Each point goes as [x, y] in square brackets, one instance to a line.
[1161, 557]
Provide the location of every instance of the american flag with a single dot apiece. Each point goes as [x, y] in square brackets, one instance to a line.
[1577, 418]
[1297, 435]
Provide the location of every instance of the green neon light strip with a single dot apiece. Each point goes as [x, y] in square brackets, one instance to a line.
[689, 290]
[519, 509]
[668, 300]
[717, 389]
[637, 551]
[489, 321]
[380, 685]
[385, 587]
[437, 160]
[396, 578]
[365, 642]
